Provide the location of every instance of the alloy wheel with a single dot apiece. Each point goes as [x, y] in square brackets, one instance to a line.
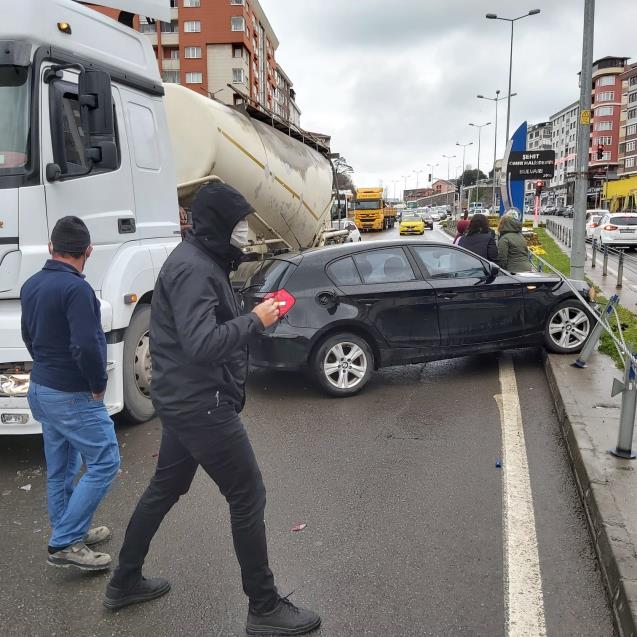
[569, 327]
[345, 365]
[143, 365]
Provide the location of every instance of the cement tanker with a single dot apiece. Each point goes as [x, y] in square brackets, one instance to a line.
[288, 182]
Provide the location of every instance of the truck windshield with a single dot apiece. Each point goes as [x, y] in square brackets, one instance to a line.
[14, 119]
[368, 205]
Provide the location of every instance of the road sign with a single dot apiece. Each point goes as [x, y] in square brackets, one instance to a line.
[538, 164]
[585, 118]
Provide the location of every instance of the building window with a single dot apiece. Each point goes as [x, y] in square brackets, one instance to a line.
[606, 156]
[174, 4]
[633, 81]
[192, 26]
[236, 1]
[631, 146]
[192, 3]
[603, 111]
[170, 27]
[630, 162]
[606, 96]
[632, 98]
[238, 76]
[606, 80]
[192, 52]
[631, 130]
[170, 77]
[194, 78]
[604, 126]
[237, 51]
[237, 23]
[605, 141]
[171, 54]
[144, 27]
[632, 113]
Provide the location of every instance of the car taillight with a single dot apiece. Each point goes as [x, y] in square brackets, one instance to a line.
[594, 225]
[285, 300]
[610, 226]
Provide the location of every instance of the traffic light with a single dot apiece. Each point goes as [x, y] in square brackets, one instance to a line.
[429, 181]
[600, 151]
[539, 185]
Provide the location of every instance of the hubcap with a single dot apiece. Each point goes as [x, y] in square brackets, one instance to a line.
[345, 365]
[569, 327]
[143, 365]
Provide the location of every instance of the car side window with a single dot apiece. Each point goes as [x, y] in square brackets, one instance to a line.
[389, 265]
[447, 263]
[344, 272]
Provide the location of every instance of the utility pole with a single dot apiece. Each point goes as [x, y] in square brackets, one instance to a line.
[479, 127]
[464, 150]
[448, 158]
[578, 251]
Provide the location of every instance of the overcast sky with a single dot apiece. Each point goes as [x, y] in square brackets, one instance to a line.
[394, 81]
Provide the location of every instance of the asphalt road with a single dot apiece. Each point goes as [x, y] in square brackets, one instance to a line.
[402, 499]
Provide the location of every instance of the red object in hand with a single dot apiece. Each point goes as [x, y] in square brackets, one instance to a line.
[285, 300]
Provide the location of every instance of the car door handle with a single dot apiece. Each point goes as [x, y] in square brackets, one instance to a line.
[447, 296]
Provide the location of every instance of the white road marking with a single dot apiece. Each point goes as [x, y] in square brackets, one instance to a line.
[524, 602]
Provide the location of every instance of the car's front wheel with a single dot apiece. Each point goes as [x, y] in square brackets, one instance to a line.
[343, 364]
[568, 326]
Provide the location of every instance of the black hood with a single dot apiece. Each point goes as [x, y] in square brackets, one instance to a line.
[216, 210]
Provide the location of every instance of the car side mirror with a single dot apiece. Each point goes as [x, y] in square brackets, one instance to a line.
[492, 274]
[96, 114]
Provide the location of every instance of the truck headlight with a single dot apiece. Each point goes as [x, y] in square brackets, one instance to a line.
[14, 384]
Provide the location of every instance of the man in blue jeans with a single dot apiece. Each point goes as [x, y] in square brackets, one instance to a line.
[62, 330]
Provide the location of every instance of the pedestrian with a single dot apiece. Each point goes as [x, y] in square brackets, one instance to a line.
[198, 343]
[513, 252]
[479, 238]
[461, 227]
[61, 328]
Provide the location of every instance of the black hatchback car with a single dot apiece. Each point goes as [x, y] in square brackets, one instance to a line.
[350, 309]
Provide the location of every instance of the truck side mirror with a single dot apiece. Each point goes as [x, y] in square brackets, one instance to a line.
[96, 113]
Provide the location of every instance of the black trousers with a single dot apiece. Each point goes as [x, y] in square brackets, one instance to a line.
[219, 443]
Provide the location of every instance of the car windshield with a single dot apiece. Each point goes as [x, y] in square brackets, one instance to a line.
[14, 119]
[411, 218]
[368, 205]
[595, 218]
[624, 221]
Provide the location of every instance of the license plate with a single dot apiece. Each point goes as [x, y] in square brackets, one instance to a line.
[626, 231]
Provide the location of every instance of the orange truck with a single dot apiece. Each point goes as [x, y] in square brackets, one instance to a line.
[371, 211]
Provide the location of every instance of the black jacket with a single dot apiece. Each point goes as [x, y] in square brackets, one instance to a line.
[198, 339]
[483, 244]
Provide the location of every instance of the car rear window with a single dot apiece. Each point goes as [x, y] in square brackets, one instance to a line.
[269, 277]
[344, 272]
[624, 221]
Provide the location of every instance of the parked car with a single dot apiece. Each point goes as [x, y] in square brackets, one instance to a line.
[569, 212]
[351, 309]
[618, 229]
[435, 216]
[426, 219]
[346, 224]
[592, 221]
[411, 224]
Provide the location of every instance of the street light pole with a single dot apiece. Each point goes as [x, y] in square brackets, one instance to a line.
[479, 127]
[448, 158]
[464, 150]
[493, 16]
[418, 172]
[578, 251]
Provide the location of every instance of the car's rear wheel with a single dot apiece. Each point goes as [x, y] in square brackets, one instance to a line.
[343, 364]
[568, 326]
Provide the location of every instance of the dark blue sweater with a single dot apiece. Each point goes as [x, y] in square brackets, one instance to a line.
[61, 327]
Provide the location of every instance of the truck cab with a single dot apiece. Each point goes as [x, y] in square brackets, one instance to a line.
[83, 132]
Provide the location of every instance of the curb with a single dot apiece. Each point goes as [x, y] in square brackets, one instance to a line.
[610, 537]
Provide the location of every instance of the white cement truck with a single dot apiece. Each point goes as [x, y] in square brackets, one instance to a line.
[87, 128]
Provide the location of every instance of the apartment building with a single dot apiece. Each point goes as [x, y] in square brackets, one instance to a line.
[628, 123]
[538, 137]
[563, 126]
[223, 49]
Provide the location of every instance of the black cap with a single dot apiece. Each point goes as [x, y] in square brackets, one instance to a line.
[71, 235]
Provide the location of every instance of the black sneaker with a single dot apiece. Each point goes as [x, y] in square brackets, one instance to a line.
[143, 591]
[285, 619]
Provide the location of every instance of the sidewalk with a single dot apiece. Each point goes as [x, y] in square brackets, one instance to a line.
[608, 486]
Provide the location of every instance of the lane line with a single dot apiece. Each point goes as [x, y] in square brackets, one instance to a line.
[523, 598]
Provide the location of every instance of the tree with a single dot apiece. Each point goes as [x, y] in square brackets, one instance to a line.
[469, 177]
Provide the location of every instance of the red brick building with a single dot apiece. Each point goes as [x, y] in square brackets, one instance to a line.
[628, 133]
[221, 48]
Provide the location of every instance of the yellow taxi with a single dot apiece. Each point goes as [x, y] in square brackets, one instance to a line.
[412, 224]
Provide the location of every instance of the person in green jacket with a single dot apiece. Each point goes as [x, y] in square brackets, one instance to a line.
[513, 253]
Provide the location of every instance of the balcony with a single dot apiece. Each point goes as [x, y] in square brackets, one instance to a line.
[169, 39]
[170, 65]
[152, 37]
[174, 13]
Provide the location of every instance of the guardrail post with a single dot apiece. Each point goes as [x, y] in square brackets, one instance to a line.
[628, 390]
[605, 266]
[620, 270]
[596, 332]
[594, 254]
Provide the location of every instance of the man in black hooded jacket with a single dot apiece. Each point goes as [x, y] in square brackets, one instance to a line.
[199, 355]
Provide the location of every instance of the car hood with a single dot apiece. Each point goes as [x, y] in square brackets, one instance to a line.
[541, 277]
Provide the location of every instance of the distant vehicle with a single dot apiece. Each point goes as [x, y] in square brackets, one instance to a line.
[350, 309]
[435, 216]
[347, 224]
[475, 206]
[569, 212]
[411, 224]
[426, 218]
[592, 222]
[617, 230]
[372, 212]
[594, 211]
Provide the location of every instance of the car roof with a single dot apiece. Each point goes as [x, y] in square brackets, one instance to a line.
[328, 253]
[622, 214]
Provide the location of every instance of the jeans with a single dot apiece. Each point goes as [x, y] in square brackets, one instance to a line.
[216, 440]
[76, 429]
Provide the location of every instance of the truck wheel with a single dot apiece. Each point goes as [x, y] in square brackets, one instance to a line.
[343, 364]
[137, 371]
